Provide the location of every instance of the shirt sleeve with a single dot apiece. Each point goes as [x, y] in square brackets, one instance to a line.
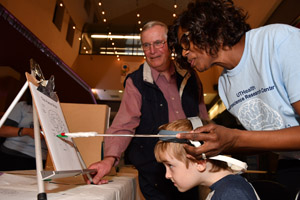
[288, 54]
[16, 113]
[125, 121]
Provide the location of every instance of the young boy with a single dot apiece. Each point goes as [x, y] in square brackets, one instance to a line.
[219, 173]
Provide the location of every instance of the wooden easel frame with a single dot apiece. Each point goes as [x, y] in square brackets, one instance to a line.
[41, 174]
[37, 140]
[81, 167]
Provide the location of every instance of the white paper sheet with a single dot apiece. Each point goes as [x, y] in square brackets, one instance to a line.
[63, 154]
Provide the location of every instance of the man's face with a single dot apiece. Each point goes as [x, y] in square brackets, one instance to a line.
[198, 58]
[155, 47]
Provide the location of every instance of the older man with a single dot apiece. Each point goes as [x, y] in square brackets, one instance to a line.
[155, 94]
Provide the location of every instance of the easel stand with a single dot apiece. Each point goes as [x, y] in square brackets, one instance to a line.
[37, 139]
[41, 174]
[13, 104]
[38, 157]
[65, 155]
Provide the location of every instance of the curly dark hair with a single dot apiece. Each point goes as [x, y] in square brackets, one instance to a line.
[175, 47]
[210, 23]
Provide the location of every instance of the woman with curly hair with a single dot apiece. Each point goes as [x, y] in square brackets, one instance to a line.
[259, 84]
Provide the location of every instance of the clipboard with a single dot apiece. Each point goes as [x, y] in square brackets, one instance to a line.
[64, 154]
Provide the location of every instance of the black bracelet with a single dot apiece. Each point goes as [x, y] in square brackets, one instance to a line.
[20, 132]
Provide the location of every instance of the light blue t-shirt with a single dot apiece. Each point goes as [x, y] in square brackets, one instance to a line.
[259, 91]
[23, 115]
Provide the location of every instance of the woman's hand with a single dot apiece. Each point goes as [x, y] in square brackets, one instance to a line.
[216, 139]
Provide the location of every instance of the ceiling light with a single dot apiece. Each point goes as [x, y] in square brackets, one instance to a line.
[121, 53]
[134, 37]
[120, 48]
[104, 52]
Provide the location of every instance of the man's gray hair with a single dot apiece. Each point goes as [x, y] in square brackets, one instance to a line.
[151, 24]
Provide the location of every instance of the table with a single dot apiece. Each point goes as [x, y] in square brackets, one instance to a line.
[16, 185]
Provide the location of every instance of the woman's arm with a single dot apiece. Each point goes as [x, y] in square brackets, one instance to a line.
[219, 139]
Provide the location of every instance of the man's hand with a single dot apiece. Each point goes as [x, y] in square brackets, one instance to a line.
[103, 168]
[216, 139]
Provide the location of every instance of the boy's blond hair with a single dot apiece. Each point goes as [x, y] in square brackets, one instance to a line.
[176, 150]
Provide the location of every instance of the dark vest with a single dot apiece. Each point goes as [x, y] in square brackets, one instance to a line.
[154, 112]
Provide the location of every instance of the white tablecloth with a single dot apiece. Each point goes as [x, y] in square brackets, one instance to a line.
[23, 185]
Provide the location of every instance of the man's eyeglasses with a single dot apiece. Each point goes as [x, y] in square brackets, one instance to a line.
[185, 41]
[157, 45]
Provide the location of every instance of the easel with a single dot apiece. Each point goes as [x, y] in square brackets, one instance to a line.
[42, 175]
[37, 141]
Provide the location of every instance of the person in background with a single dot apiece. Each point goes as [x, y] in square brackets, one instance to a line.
[18, 150]
[219, 173]
[155, 94]
[259, 85]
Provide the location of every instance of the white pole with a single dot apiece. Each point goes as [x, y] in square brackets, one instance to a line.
[38, 155]
[13, 104]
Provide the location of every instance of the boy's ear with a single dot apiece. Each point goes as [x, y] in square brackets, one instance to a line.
[201, 165]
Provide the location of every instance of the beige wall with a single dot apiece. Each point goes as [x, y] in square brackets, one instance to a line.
[104, 72]
[98, 71]
[37, 16]
[258, 10]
